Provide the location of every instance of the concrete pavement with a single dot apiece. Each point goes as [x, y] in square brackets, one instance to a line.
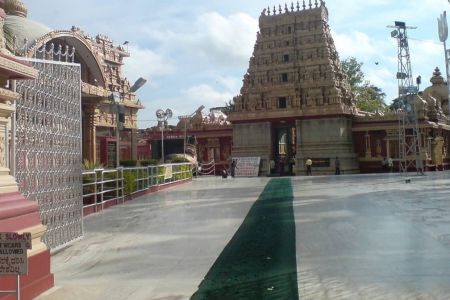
[357, 237]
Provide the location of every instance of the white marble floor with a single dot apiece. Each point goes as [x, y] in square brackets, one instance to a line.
[357, 237]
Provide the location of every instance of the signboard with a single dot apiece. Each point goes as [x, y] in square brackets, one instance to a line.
[167, 172]
[247, 166]
[13, 253]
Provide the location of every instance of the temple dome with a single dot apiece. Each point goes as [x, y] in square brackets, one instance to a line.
[22, 28]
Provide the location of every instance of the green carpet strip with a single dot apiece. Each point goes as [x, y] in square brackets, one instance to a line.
[259, 262]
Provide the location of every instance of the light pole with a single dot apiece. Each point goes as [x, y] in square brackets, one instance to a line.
[115, 98]
[162, 117]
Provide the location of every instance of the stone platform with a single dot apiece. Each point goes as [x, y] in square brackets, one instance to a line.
[355, 237]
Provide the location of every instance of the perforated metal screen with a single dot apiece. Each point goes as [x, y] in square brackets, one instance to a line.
[48, 147]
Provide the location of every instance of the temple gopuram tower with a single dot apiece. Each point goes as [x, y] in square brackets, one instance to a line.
[295, 101]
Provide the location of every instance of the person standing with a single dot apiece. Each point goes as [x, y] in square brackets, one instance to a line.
[233, 168]
[337, 166]
[308, 167]
[390, 164]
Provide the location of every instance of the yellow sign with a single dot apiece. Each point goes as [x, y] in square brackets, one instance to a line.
[168, 172]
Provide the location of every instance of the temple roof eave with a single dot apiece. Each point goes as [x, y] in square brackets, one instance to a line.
[16, 69]
[133, 104]
[291, 113]
[376, 126]
[8, 95]
[92, 90]
[76, 39]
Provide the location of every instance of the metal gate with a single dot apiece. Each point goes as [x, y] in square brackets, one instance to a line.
[48, 147]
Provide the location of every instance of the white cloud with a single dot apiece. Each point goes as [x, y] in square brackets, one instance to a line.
[378, 57]
[210, 38]
[207, 95]
[384, 78]
[227, 39]
[422, 51]
[356, 44]
[146, 63]
[232, 84]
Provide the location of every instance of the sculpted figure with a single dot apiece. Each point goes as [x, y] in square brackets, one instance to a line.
[437, 95]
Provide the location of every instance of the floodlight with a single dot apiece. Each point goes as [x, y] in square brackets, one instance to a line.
[138, 84]
[160, 114]
[401, 75]
[169, 113]
[394, 33]
[400, 24]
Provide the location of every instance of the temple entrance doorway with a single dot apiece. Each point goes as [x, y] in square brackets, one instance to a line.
[283, 149]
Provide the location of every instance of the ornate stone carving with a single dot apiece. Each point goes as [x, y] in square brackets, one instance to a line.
[437, 97]
[15, 8]
[294, 51]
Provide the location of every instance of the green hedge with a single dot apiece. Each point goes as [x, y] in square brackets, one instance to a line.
[129, 182]
[128, 163]
[179, 160]
[186, 173]
[148, 162]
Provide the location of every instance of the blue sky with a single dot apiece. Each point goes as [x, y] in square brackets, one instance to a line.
[196, 52]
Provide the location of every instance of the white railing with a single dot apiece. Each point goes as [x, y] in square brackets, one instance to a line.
[101, 186]
[207, 168]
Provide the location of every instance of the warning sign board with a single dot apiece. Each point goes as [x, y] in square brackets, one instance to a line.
[13, 253]
[168, 172]
[247, 166]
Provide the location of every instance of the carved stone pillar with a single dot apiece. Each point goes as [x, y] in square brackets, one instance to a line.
[89, 134]
[388, 147]
[368, 148]
[7, 182]
[378, 149]
[447, 145]
[428, 148]
[437, 151]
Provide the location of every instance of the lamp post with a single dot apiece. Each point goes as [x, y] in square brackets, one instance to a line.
[162, 117]
[115, 98]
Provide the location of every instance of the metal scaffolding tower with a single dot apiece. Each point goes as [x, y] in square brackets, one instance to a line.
[408, 129]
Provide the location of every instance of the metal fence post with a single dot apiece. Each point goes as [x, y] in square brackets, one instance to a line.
[102, 189]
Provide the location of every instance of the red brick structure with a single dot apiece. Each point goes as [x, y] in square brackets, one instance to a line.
[211, 133]
[18, 214]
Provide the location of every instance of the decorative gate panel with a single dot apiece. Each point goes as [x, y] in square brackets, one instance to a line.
[48, 147]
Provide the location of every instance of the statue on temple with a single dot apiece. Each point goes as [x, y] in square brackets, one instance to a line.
[436, 96]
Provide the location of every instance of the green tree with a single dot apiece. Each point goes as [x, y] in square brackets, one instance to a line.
[396, 104]
[229, 107]
[352, 68]
[368, 96]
